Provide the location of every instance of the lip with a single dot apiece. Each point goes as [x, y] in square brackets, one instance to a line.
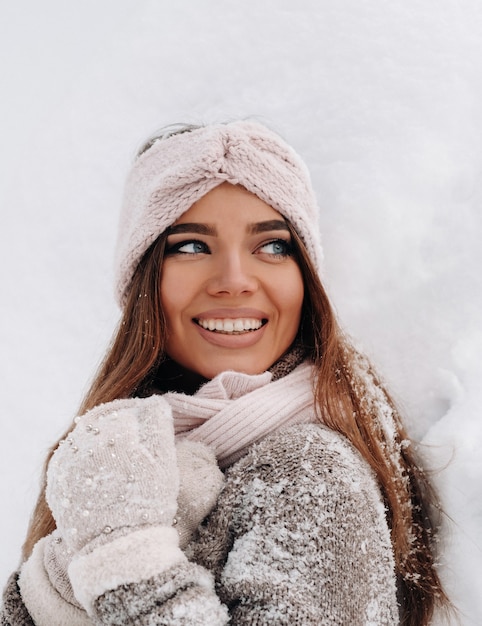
[238, 341]
[243, 340]
[226, 313]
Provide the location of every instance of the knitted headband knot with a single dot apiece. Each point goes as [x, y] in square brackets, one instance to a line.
[172, 174]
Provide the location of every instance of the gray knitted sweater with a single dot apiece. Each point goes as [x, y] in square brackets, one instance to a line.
[298, 536]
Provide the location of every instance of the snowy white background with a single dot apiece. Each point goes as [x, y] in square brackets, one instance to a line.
[383, 100]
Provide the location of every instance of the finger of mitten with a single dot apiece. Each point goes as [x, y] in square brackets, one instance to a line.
[201, 481]
[103, 478]
[200, 477]
[156, 428]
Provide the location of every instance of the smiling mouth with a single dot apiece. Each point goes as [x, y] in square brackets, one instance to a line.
[229, 326]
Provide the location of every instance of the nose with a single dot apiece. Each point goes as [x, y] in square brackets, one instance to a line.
[232, 276]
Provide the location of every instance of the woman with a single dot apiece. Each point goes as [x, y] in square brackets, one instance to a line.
[235, 459]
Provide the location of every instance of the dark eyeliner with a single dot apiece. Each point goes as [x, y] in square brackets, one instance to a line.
[287, 246]
[175, 248]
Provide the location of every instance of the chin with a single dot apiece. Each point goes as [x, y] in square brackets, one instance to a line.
[212, 370]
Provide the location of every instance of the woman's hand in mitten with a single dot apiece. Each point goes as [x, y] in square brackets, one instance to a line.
[112, 487]
[201, 480]
[115, 472]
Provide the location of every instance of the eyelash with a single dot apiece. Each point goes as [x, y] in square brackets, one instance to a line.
[176, 247]
[285, 245]
[287, 248]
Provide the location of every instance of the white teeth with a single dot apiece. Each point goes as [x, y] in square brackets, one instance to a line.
[229, 325]
[238, 325]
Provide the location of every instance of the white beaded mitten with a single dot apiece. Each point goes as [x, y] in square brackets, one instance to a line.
[201, 481]
[112, 486]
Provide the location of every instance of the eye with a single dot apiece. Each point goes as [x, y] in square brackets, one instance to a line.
[276, 248]
[188, 247]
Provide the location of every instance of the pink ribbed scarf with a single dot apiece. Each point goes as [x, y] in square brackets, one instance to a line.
[234, 410]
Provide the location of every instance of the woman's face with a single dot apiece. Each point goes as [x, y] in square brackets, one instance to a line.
[231, 290]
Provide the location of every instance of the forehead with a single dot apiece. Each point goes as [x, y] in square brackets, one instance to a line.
[227, 204]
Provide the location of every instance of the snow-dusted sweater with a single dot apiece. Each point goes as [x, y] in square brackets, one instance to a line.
[298, 536]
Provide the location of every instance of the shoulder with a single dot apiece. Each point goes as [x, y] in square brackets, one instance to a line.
[306, 472]
[310, 452]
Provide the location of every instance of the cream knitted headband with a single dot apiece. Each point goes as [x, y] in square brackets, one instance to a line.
[174, 173]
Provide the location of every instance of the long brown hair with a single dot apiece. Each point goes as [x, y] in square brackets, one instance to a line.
[350, 399]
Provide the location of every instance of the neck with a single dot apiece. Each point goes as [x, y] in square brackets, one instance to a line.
[171, 376]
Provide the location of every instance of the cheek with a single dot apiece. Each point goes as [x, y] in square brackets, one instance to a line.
[172, 298]
[291, 293]
[168, 308]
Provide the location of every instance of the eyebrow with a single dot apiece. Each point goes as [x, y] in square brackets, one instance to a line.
[207, 229]
[194, 227]
[262, 227]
